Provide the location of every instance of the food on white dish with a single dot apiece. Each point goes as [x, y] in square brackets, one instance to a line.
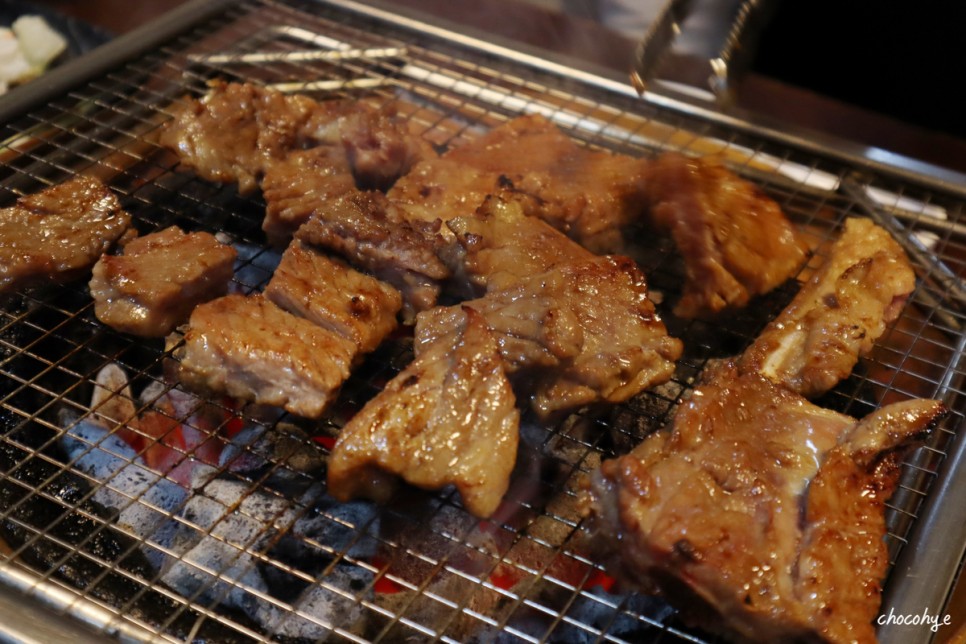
[27, 48]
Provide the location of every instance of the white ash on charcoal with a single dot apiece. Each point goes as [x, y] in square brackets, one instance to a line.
[214, 543]
[281, 553]
[288, 451]
[143, 498]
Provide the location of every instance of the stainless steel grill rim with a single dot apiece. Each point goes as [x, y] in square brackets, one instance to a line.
[80, 561]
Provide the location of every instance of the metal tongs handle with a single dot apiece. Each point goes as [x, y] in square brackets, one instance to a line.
[657, 41]
[732, 52]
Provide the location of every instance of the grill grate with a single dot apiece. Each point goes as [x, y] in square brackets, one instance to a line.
[282, 557]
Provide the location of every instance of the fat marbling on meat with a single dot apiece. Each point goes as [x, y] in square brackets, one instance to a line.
[250, 349]
[159, 279]
[759, 514]
[58, 234]
[449, 418]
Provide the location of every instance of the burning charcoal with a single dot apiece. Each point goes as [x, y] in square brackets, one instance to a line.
[339, 526]
[599, 614]
[216, 543]
[256, 447]
[337, 607]
[254, 265]
[143, 498]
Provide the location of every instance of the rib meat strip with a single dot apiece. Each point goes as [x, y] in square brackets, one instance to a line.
[363, 228]
[159, 279]
[758, 513]
[58, 233]
[328, 293]
[449, 418]
[838, 314]
[249, 348]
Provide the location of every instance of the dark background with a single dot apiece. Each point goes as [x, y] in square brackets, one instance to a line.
[904, 59]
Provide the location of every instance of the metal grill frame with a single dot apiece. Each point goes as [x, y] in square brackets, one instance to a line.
[96, 115]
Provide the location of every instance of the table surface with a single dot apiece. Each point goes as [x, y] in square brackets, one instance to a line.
[772, 99]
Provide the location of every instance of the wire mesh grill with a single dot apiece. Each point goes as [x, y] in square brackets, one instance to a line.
[258, 551]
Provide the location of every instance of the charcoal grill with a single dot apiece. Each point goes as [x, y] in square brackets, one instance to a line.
[427, 571]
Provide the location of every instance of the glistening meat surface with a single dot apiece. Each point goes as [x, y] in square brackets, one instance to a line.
[447, 418]
[58, 233]
[735, 241]
[574, 328]
[759, 514]
[328, 293]
[237, 130]
[159, 279]
[249, 348]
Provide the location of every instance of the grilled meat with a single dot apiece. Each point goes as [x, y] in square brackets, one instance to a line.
[734, 240]
[300, 184]
[759, 513]
[236, 131]
[159, 279]
[499, 245]
[363, 228]
[328, 293]
[448, 418]
[590, 195]
[249, 348]
[838, 314]
[58, 233]
[578, 334]
[574, 328]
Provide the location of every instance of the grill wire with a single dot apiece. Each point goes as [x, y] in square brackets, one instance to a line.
[421, 568]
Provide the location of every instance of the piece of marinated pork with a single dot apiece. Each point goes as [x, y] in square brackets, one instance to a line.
[237, 130]
[250, 349]
[735, 241]
[160, 278]
[449, 418]
[325, 291]
[578, 334]
[590, 195]
[301, 184]
[363, 228]
[59, 233]
[573, 328]
[758, 513]
[838, 314]
[499, 245]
